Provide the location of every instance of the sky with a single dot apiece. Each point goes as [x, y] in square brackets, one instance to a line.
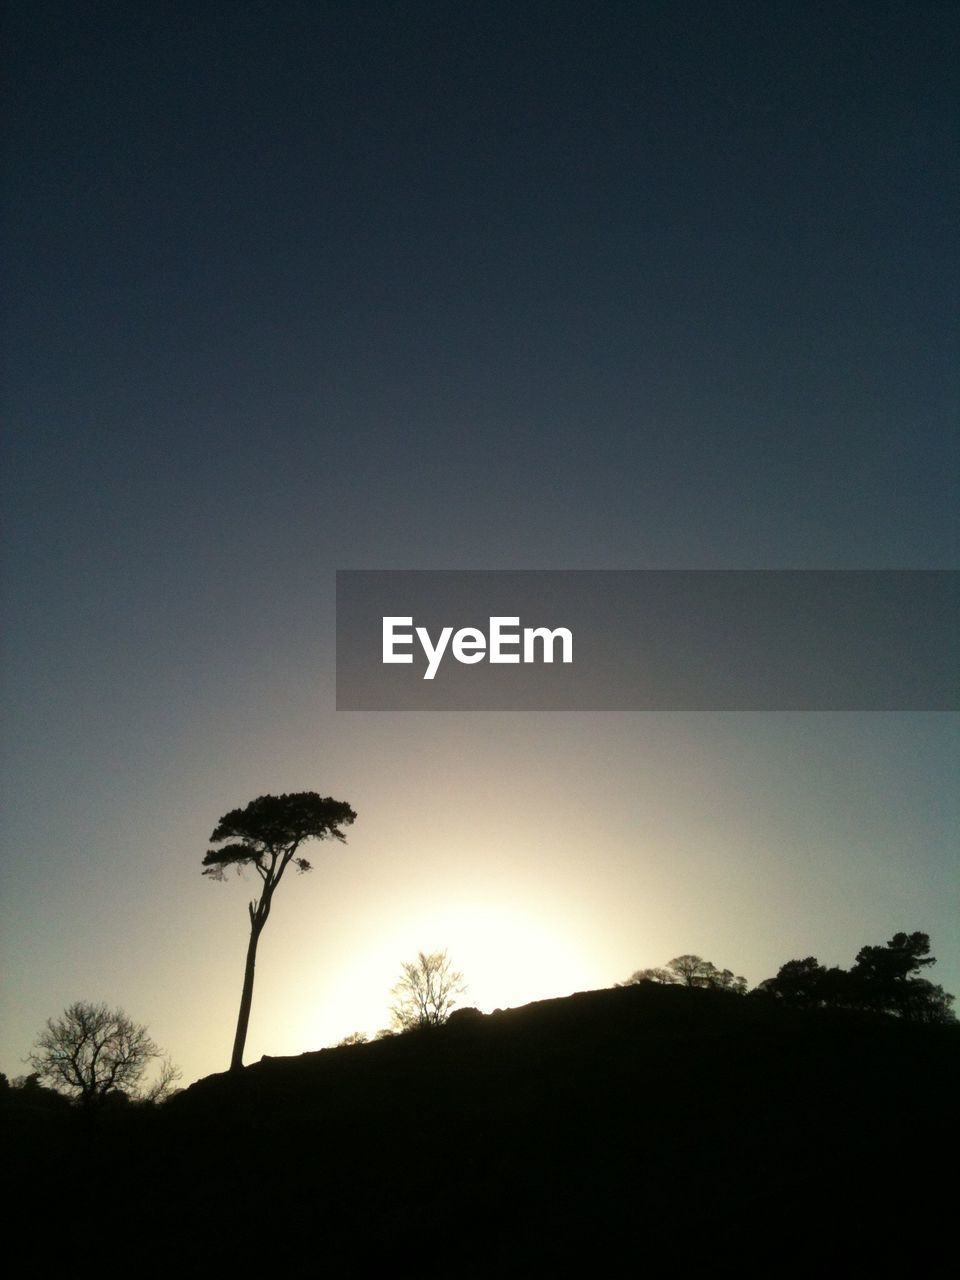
[299, 287]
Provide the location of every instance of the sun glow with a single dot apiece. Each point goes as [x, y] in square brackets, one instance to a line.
[508, 957]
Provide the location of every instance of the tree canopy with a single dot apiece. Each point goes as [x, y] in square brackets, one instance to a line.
[691, 971]
[883, 979]
[268, 831]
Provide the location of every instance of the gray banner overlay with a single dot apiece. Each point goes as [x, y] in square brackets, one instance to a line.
[648, 640]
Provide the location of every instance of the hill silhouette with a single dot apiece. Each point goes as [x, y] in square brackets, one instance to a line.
[610, 1121]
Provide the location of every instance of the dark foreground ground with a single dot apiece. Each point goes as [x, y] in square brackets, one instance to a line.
[602, 1129]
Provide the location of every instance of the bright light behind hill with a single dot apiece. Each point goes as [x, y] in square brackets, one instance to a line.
[507, 956]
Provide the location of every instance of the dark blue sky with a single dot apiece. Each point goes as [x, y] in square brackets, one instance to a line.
[299, 287]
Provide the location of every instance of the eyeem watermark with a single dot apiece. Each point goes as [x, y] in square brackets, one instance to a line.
[648, 640]
[470, 645]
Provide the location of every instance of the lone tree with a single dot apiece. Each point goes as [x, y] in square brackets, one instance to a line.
[266, 835]
[92, 1051]
[427, 992]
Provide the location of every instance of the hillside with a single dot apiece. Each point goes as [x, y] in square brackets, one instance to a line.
[617, 1118]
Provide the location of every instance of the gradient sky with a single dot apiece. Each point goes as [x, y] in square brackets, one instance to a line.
[301, 287]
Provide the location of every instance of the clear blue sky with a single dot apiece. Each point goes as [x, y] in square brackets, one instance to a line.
[302, 287]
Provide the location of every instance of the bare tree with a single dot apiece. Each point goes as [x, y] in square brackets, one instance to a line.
[92, 1051]
[165, 1084]
[266, 835]
[427, 992]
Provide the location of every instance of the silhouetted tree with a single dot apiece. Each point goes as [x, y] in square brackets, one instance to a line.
[30, 1083]
[426, 994]
[903, 955]
[691, 971]
[27, 1091]
[92, 1052]
[924, 1001]
[267, 835]
[664, 976]
[883, 978]
[355, 1037]
[165, 1084]
[727, 980]
[807, 984]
